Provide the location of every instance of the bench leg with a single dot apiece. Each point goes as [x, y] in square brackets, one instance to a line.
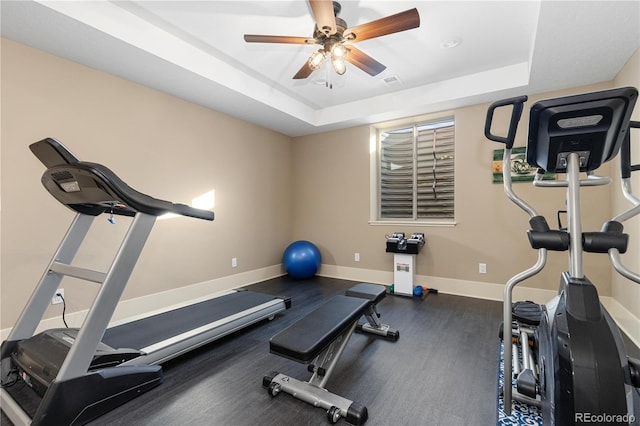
[375, 327]
[326, 361]
[335, 405]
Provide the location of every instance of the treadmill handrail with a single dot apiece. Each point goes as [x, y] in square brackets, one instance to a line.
[93, 189]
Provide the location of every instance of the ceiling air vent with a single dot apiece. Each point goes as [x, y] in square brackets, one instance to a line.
[391, 80]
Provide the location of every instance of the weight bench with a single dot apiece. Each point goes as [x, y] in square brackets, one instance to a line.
[319, 339]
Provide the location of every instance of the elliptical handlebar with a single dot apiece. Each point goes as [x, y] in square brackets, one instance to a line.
[625, 153]
[591, 180]
[626, 168]
[516, 113]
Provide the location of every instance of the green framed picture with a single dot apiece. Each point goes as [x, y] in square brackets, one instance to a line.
[521, 171]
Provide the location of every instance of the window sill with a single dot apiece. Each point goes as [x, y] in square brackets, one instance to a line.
[426, 223]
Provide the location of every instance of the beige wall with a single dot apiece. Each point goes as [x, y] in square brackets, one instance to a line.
[269, 191]
[624, 291]
[160, 145]
[331, 207]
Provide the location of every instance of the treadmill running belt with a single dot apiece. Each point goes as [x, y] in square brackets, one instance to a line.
[157, 328]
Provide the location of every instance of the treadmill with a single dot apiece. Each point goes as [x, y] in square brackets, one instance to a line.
[73, 376]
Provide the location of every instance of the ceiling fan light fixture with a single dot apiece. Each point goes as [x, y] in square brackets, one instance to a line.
[338, 65]
[339, 50]
[316, 59]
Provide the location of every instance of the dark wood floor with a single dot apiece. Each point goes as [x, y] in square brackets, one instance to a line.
[442, 370]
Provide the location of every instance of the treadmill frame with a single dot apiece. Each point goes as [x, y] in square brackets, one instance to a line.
[140, 372]
[80, 355]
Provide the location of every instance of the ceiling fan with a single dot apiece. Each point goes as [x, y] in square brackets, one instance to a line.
[336, 38]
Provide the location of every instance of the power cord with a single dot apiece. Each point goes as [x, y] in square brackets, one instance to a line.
[64, 308]
[13, 381]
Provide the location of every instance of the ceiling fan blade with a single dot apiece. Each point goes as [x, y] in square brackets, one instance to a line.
[303, 72]
[324, 15]
[254, 38]
[363, 61]
[391, 24]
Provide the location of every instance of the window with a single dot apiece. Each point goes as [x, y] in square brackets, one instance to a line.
[416, 172]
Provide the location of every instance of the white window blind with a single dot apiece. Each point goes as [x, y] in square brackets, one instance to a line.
[416, 174]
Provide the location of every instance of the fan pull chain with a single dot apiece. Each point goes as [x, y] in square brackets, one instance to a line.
[328, 82]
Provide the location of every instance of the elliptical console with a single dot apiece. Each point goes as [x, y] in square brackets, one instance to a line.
[574, 362]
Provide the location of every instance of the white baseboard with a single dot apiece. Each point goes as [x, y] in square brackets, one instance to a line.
[146, 305]
[627, 322]
[465, 288]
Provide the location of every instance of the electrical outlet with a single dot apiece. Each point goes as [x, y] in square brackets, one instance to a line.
[356, 257]
[55, 300]
[482, 268]
[234, 262]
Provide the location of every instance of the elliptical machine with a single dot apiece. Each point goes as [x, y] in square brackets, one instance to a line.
[574, 363]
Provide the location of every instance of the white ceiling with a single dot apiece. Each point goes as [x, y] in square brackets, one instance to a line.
[195, 50]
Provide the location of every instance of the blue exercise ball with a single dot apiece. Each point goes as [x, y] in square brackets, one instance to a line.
[301, 259]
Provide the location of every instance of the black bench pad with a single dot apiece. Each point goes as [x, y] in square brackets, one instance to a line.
[305, 339]
[373, 292]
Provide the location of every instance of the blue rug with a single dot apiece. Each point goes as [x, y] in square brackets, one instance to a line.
[521, 413]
